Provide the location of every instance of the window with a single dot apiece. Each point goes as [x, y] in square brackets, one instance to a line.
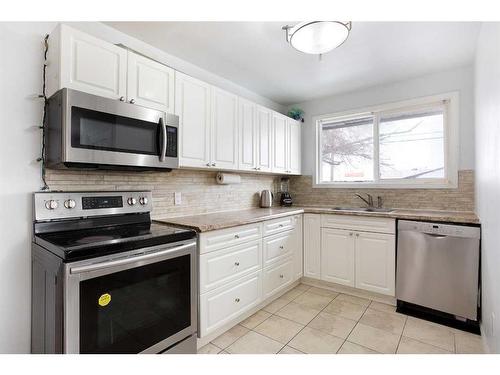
[410, 144]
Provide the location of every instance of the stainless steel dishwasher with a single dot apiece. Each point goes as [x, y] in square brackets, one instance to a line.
[438, 268]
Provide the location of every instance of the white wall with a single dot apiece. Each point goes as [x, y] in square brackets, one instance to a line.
[20, 81]
[487, 107]
[455, 80]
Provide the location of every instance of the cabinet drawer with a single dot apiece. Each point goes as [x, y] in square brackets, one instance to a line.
[279, 225]
[225, 265]
[361, 223]
[222, 305]
[278, 247]
[223, 238]
[277, 277]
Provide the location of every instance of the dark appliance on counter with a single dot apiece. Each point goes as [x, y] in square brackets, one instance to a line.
[285, 197]
[89, 131]
[106, 279]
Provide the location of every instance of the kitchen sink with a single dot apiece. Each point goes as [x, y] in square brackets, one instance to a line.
[363, 209]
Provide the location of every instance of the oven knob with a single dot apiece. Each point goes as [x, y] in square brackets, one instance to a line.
[143, 201]
[51, 204]
[131, 201]
[70, 203]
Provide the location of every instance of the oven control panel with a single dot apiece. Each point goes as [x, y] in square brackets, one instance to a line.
[59, 205]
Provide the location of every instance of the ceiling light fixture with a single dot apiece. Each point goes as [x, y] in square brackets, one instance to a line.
[317, 37]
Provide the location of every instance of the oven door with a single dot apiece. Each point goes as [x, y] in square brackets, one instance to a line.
[102, 131]
[143, 301]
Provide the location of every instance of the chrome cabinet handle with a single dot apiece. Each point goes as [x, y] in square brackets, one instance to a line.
[281, 225]
[282, 276]
[236, 263]
[208, 164]
[236, 300]
[122, 98]
[213, 164]
[132, 101]
[281, 247]
[236, 236]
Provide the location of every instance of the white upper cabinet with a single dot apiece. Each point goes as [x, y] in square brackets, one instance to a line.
[280, 138]
[150, 83]
[82, 62]
[224, 129]
[264, 138]
[293, 147]
[248, 135]
[192, 105]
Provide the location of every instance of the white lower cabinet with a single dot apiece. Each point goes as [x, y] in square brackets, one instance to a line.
[358, 252]
[312, 246]
[375, 262]
[278, 246]
[337, 256]
[278, 277]
[241, 267]
[224, 304]
[223, 266]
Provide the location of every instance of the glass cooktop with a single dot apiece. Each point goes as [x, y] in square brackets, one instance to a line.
[87, 243]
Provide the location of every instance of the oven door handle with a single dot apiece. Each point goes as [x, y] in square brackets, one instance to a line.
[128, 260]
[163, 139]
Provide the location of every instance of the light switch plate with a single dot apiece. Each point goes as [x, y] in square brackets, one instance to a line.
[177, 198]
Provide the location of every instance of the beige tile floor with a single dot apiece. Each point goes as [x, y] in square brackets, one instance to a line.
[315, 320]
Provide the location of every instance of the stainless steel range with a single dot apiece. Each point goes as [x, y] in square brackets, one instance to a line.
[108, 280]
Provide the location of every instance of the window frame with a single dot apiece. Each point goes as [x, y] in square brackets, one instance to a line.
[451, 142]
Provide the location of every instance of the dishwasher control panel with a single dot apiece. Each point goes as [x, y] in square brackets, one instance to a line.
[440, 229]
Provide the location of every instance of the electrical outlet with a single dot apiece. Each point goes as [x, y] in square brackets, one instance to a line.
[177, 198]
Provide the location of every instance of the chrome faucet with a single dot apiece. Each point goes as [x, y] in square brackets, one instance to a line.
[368, 201]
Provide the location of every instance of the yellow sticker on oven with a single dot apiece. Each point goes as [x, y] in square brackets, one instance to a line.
[104, 300]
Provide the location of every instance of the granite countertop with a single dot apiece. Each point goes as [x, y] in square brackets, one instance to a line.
[227, 219]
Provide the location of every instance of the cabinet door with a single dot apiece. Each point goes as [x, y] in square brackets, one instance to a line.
[293, 147]
[312, 246]
[92, 65]
[247, 132]
[298, 257]
[150, 83]
[375, 262]
[192, 105]
[224, 130]
[337, 256]
[279, 143]
[264, 139]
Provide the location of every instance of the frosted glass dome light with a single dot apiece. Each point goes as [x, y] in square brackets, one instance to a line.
[317, 37]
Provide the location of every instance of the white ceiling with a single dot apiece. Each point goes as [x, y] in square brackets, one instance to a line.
[256, 56]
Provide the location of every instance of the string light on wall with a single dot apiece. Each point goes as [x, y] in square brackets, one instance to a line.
[317, 37]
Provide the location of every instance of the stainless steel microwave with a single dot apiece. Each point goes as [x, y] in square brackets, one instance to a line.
[89, 131]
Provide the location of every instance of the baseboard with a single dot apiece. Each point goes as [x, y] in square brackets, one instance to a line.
[348, 290]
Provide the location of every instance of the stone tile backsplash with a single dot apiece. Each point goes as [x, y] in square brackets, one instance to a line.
[201, 194]
[459, 199]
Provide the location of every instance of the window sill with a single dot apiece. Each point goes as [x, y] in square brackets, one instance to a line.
[389, 185]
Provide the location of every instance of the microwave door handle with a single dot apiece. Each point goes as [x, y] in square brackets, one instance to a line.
[164, 139]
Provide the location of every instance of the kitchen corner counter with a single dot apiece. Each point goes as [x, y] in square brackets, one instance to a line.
[227, 219]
